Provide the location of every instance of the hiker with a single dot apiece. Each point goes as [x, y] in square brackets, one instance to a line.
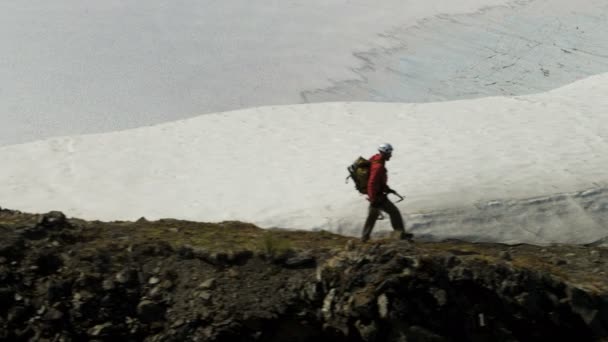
[377, 192]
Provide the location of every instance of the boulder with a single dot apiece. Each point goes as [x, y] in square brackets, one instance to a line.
[53, 219]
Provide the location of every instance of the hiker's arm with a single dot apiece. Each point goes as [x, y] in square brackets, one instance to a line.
[373, 183]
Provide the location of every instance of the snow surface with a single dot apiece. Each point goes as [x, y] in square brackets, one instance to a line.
[504, 138]
[80, 66]
[284, 166]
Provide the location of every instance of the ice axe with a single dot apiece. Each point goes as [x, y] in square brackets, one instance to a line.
[401, 198]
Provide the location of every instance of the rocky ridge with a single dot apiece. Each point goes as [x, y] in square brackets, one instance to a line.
[72, 280]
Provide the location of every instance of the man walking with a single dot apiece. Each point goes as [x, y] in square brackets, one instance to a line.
[377, 192]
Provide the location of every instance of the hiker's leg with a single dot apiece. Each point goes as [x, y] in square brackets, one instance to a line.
[395, 215]
[397, 221]
[372, 216]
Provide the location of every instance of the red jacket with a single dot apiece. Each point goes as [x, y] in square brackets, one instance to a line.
[376, 184]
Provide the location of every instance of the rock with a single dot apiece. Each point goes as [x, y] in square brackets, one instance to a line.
[559, 261]
[108, 285]
[204, 295]
[350, 245]
[410, 262]
[53, 315]
[127, 277]
[440, 296]
[319, 274]
[583, 304]
[509, 287]
[406, 273]
[387, 256]
[100, 330]
[389, 284]
[311, 292]
[17, 314]
[232, 272]
[451, 261]
[153, 280]
[166, 284]
[82, 296]
[328, 302]
[361, 304]
[417, 333]
[178, 323]
[368, 331]
[148, 249]
[505, 256]
[531, 301]
[217, 258]
[53, 219]
[300, 261]
[34, 233]
[185, 252]
[87, 280]
[208, 284]
[239, 257]
[383, 306]
[149, 311]
[156, 292]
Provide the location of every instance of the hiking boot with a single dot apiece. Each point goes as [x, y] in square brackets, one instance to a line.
[401, 235]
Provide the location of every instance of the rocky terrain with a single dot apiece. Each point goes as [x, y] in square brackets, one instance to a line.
[168, 280]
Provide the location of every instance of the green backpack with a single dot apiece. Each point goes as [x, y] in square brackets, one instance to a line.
[359, 172]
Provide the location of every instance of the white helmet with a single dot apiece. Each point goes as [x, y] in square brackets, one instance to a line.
[385, 148]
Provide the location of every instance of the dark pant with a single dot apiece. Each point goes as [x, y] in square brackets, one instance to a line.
[374, 211]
